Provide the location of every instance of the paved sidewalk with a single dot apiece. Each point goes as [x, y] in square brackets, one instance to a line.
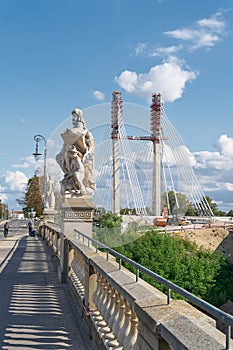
[37, 311]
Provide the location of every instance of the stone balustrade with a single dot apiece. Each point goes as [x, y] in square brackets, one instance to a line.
[123, 313]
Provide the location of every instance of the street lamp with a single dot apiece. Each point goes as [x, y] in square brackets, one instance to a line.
[36, 154]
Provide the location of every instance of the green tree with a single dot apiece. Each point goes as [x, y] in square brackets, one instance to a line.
[108, 230]
[207, 274]
[213, 206]
[33, 198]
[230, 213]
[178, 202]
[108, 220]
[191, 211]
[4, 212]
[127, 211]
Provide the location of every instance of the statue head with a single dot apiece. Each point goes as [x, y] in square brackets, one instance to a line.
[77, 117]
[72, 149]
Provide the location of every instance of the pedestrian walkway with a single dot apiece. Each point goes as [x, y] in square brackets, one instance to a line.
[37, 311]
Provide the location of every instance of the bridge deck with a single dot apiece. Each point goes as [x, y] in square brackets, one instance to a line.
[37, 311]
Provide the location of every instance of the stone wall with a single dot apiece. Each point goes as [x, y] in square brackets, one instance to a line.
[122, 313]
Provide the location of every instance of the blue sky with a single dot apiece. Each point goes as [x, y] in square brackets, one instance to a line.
[57, 55]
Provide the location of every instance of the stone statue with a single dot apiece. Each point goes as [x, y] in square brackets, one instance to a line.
[50, 197]
[76, 158]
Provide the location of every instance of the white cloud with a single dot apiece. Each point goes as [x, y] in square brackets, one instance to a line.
[206, 159]
[165, 51]
[214, 172]
[168, 78]
[225, 146]
[99, 95]
[173, 156]
[205, 33]
[16, 181]
[27, 162]
[228, 186]
[220, 160]
[3, 197]
[24, 165]
[140, 48]
[148, 50]
[215, 22]
[51, 143]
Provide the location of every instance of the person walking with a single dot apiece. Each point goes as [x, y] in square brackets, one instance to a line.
[6, 228]
[30, 227]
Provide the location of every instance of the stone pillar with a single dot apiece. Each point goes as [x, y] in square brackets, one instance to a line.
[76, 213]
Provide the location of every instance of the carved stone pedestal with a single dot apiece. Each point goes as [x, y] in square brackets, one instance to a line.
[76, 213]
[48, 214]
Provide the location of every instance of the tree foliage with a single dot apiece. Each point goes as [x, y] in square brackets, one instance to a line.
[108, 220]
[4, 212]
[33, 198]
[208, 275]
[179, 204]
[176, 202]
[108, 230]
[230, 213]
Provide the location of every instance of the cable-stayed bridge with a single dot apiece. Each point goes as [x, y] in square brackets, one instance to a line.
[138, 171]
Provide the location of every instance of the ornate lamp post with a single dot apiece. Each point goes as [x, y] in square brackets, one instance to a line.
[36, 154]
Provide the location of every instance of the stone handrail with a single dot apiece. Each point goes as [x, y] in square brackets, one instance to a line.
[124, 312]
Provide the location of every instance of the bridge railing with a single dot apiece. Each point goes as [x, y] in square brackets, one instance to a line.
[124, 312]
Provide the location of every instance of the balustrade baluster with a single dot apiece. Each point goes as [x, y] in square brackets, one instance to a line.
[118, 324]
[107, 310]
[56, 243]
[98, 315]
[96, 295]
[59, 246]
[126, 326]
[111, 338]
[131, 338]
[101, 322]
[115, 312]
[114, 322]
[70, 257]
[110, 335]
[101, 300]
[52, 232]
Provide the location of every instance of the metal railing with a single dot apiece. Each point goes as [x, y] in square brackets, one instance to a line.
[218, 314]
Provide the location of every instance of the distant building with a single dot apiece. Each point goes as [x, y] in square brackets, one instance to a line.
[17, 214]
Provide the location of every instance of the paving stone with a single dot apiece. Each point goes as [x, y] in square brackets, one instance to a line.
[37, 311]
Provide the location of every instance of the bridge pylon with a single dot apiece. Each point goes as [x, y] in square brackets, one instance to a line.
[116, 124]
[156, 109]
[155, 137]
